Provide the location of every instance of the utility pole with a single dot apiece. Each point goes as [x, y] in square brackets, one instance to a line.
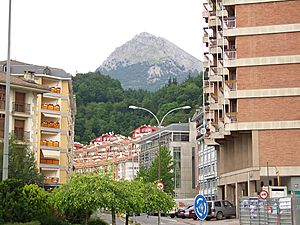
[7, 102]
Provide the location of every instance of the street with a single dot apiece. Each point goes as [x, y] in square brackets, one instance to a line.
[152, 220]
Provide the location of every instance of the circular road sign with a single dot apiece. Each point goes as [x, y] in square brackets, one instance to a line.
[200, 207]
[263, 194]
[160, 185]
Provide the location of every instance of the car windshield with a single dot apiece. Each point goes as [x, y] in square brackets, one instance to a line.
[187, 207]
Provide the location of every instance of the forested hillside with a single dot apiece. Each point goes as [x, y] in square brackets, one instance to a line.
[102, 104]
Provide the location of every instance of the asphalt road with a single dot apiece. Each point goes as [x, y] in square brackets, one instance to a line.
[152, 220]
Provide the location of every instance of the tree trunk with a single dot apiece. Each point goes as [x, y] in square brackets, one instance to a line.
[113, 216]
[127, 218]
[87, 215]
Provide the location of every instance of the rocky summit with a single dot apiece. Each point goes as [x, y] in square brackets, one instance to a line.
[149, 62]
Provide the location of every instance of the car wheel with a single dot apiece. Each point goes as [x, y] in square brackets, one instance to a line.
[172, 216]
[207, 218]
[219, 215]
[195, 218]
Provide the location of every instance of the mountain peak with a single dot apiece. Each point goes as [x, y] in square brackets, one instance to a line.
[158, 59]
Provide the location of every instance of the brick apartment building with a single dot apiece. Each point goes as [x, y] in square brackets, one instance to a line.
[252, 92]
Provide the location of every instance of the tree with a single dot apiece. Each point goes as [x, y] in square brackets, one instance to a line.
[79, 198]
[22, 203]
[21, 162]
[164, 163]
[156, 200]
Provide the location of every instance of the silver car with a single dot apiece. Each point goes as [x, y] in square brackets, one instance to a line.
[219, 209]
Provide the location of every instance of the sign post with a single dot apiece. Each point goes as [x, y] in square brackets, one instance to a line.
[200, 207]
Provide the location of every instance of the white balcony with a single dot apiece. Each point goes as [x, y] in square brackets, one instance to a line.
[208, 89]
[214, 21]
[230, 23]
[215, 50]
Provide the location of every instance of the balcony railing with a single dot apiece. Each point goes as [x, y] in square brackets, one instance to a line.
[21, 107]
[230, 54]
[50, 180]
[21, 135]
[230, 22]
[232, 116]
[231, 84]
[50, 161]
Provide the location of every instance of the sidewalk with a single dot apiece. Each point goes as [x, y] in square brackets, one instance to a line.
[211, 222]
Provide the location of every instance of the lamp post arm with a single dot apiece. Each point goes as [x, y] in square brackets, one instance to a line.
[151, 114]
[172, 110]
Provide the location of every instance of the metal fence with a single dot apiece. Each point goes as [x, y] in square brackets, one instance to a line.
[273, 211]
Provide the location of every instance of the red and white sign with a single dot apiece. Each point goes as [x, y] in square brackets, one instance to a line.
[160, 186]
[263, 194]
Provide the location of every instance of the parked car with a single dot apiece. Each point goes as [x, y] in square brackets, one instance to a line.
[190, 213]
[219, 209]
[180, 212]
[172, 213]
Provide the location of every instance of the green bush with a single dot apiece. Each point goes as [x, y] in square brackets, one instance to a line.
[97, 221]
[28, 223]
[22, 203]
[53, 220]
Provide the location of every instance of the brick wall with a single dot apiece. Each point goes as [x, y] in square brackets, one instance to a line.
[264, 14]
[264, 77]
[268, 109]
[279, 147]
[268, 45]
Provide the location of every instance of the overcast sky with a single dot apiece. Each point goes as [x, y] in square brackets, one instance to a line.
[78, 35]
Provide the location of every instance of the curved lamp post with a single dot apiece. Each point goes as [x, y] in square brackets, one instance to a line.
[159, 122]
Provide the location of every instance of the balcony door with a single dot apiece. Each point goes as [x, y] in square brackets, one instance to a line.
[19, 129]
[20, 102]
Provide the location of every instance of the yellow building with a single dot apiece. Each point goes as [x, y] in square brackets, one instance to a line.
[54, 118]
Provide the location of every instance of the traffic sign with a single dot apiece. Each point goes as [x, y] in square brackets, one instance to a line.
[160, 185]
[263, 194]
[200, 207]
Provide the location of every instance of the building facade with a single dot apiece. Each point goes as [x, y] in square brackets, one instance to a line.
[112, 152]
[181, 142]
[252, 93]
[207, 160]
[55, 115]
[23, 108]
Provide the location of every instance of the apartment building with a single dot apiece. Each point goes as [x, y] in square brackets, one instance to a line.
[23, 108]
[181, 142]
[112, 152]
[252, 93]
[207, 160]
[54, 118]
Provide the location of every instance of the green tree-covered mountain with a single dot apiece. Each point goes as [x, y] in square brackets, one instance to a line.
[102, 104]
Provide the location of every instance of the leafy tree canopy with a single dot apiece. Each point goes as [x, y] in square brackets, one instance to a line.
[102, 104]
[163, 165]
[21, 163]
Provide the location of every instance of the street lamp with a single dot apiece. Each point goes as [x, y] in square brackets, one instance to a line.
[159, 123]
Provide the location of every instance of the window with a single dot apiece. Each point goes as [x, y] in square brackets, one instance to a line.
[217, 204]
[177, 136]
[227, 204]
[177, 166]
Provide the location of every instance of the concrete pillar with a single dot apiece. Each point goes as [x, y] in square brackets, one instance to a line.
[251, 188]
[238, 194]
